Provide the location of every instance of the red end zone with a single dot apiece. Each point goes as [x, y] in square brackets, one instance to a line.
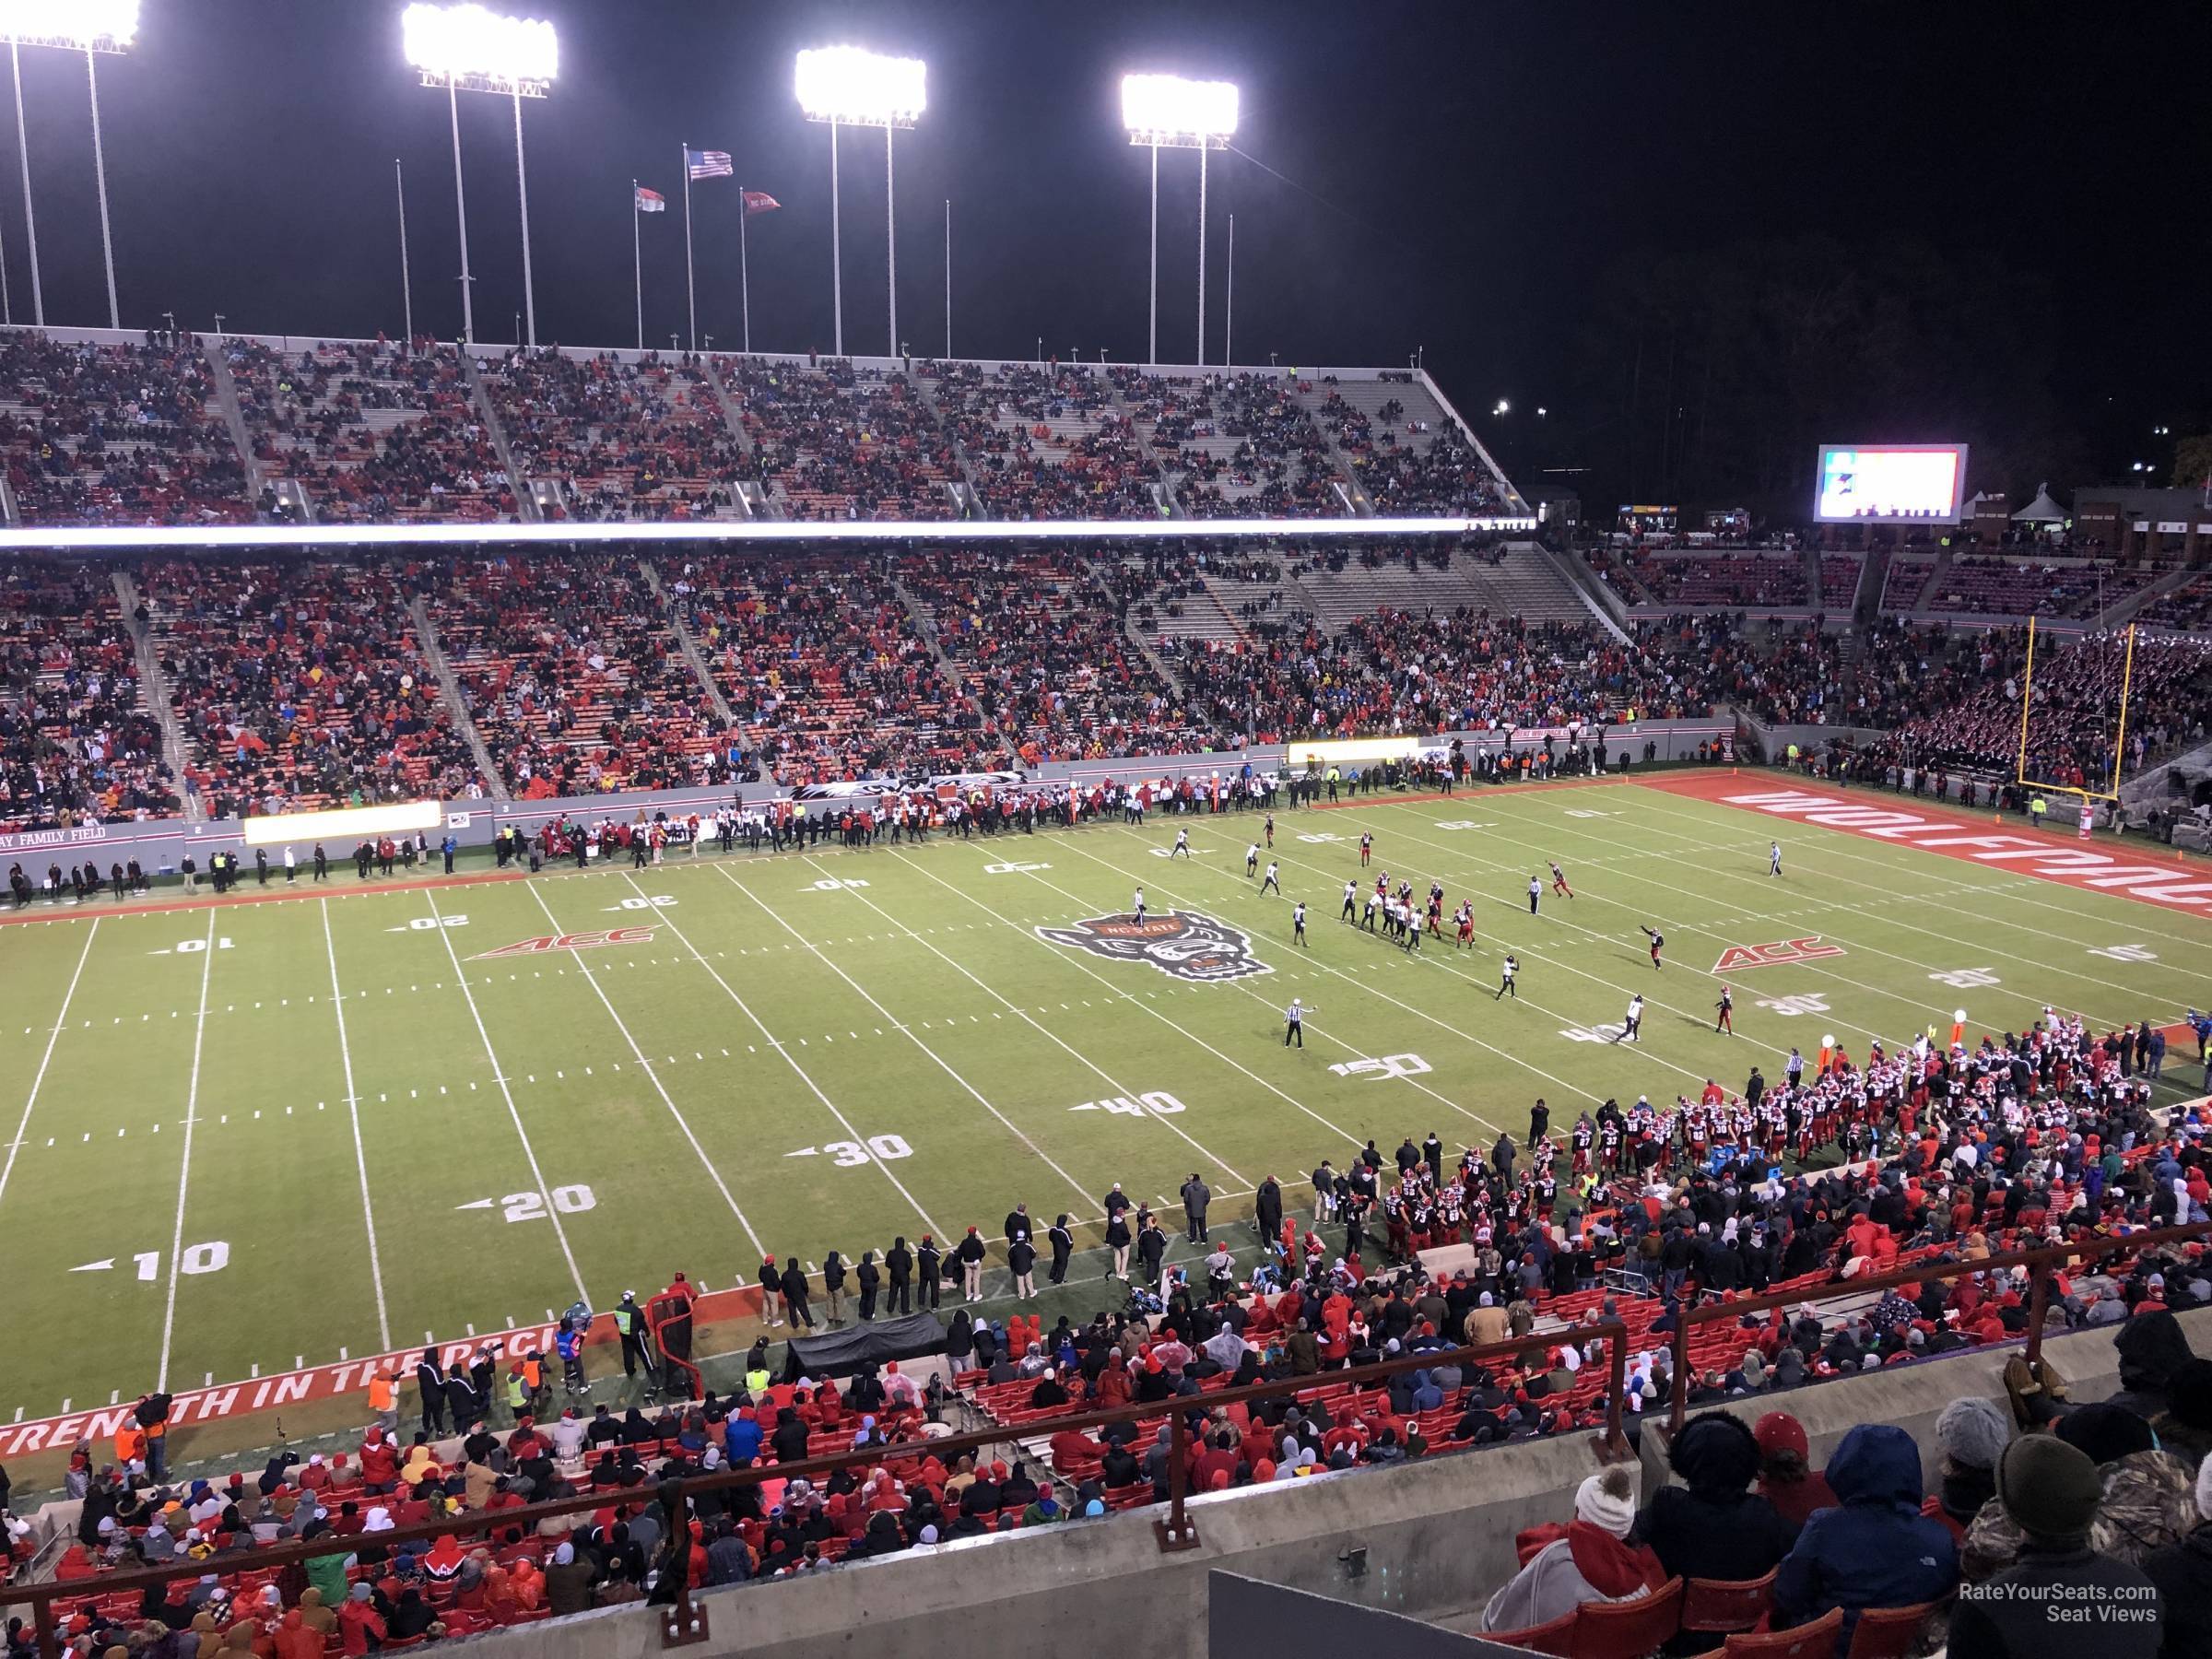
[193, 1405]
[2172, 883]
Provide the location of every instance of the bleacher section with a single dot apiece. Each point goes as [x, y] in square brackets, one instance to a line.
[1904, 582]
[300, 686]
[1042, 660]
[1746, 580]
[376, 432]
[115, 434]
[1840, 574]
[572, 673]
[1046, 441]
[820, 663]
[1404, 453]
[635, 439]
[834, 442]
[2188, 606]
[2009, 586]
[78, 744]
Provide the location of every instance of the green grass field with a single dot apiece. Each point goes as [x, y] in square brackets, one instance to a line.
[376, 1131]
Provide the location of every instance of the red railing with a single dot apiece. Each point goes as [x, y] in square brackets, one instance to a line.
[684, 1620]
[2039, 1265]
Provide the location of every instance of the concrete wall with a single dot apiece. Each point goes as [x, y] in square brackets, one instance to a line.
[1438, 1538]
[159, 845]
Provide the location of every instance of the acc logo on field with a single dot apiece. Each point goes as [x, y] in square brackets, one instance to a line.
[1180, 943]
[1737, 958]
[569, 941]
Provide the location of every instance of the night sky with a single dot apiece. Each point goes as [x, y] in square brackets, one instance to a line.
[1456, 178]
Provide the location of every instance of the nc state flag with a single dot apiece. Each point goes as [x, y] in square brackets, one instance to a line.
[760, 200]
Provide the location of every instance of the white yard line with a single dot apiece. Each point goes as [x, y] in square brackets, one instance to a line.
[360, 1156]
[192, 1113]
[1442, 956]
[1420, 1013]
[1558, 911]
[1840, 842]
[499, 1076]
[1890, 894]
[52, 1036]
[1129, 996]
[943, 1064]
[797, 1070]
[1047, 1032]
[653, 1076]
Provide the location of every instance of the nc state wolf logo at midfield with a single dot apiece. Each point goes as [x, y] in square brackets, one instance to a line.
[1182, 943]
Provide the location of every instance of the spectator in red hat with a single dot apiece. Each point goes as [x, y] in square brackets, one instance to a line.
[1786, 1477]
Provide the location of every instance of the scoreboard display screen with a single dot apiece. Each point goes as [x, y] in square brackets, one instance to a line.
[1891, 483]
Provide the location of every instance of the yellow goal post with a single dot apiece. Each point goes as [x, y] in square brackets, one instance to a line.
[2127, 681]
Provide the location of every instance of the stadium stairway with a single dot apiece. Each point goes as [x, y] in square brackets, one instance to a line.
[752, 494]
[1867, 604]
[449, 690]
[972, 503]
[2124, 610]
[692, 654]
[153, 686]
[1821, 599]
[918, 614]
[526, 501]
[234, 418]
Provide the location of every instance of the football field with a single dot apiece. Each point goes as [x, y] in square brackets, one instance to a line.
[247, 1137]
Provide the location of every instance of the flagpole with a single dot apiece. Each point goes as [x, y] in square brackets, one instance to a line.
[948, 279]
[30, 221]
[744, 281]
[691, 286]
[406, 275]
[1228, 301]
[637, 264]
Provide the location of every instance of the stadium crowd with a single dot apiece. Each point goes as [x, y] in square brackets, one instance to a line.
[1926, 1155]
[78, 743]
[120, 434]
[621, 440]
[300, 685]
[372, 430]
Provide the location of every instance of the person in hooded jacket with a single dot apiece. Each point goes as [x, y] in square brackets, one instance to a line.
[2182, 1572]
[1713, 1525]
[1589, 1559]
[2152, 1348]
[1874, 1549]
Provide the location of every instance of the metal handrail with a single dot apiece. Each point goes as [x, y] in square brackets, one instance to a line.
[685, 1620]
[2039, 1262]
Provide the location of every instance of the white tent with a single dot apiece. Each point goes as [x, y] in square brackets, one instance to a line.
[2042, 511]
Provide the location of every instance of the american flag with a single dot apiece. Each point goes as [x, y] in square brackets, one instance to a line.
[708, 164]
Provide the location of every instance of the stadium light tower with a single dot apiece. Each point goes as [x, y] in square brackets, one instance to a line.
[91, 27]
[1166, 111]
[849, 85]
[469, 49]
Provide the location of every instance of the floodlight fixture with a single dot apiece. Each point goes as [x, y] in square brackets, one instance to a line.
[73, 24]
[850, 86]
[1167, 111]
[854, 86]
[91, 27]
[469, 48]
[476, 50]
[1170, 113]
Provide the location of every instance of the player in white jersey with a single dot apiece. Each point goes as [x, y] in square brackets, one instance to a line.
[1298, 923]
[1271, 882]
[1773, 858]
[1632, 1027]
[1137, 906]
[1506, 971]
[1182, 844]
[1351, 893]
[1251, 859]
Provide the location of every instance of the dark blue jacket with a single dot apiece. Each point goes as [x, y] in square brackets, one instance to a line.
[1874, 1549]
